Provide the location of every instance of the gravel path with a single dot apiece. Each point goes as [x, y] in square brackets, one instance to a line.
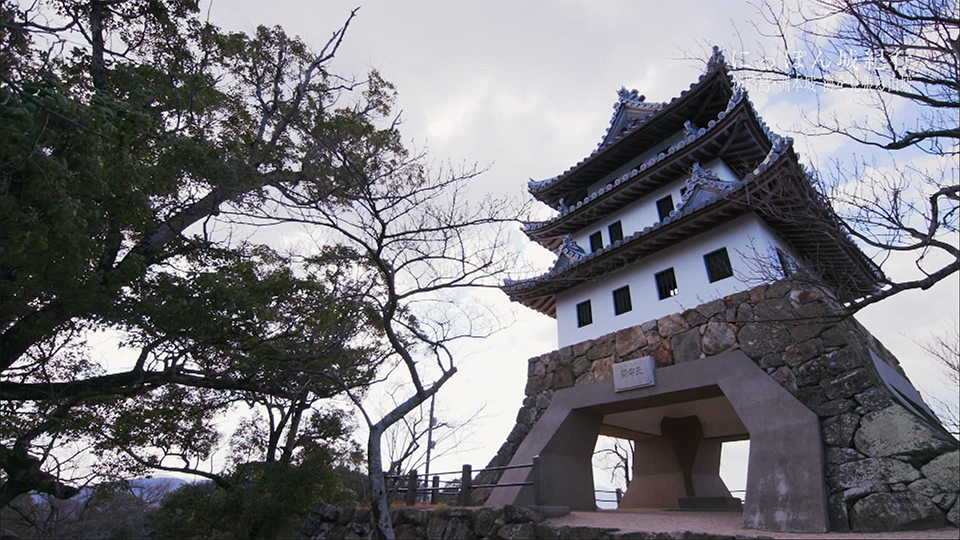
[712, 522]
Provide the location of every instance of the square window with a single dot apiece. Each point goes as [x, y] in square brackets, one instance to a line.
[664, 207]
[666, 283]
[718, 265]
[596, 241]
[621, 300]
[584, 314]
[616, 232]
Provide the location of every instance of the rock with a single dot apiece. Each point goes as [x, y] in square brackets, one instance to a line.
[518, 432]
[894, 431]
[649, 326]
[545, 532]
[535, 385]
[543, 401]
[847, 384]
[602, 348]
[774, 309]
[810, 373]
[759, 339]
[693, 318]
[536, 368]
[944, 471]
[953, 516]
[839, 430]
[484, 520]
[660, 352]
[563, 378]
[602, 369]
[324, 511]
[798, 353]
[771, 360]
[458, 529]
[629, 340]
[671, 324]
[865, 471]
[836, 456]
[833, 408]
[786, 378]
[861, 491]
[520, 514]
[812, 396]
[925, 487]
[840, 361]
[875, 399]
[686, 346]
[944, 500]
[837, 336]
[895, 512]
[527, 415]
[837, 513]
[744, 314]
[581, 366]
[516, 531]
[718, 337]
[805, 296]
[436, 526]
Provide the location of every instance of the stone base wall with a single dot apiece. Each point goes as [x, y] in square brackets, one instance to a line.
[510, 522]
[886, 468]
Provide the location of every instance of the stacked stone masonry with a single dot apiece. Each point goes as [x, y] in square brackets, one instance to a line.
[441, 523]
[886, 469]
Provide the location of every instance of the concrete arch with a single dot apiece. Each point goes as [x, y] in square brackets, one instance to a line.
[785, 486]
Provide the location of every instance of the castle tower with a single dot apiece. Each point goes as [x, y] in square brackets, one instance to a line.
[698, 292]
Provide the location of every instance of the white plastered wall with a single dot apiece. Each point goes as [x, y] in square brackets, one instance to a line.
[745, 239]
[643, 213]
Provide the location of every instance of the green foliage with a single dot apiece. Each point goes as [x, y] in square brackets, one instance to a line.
[268, 500]
[130, 187]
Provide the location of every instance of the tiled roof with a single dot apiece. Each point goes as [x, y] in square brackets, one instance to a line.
[690, 206]
[616, 131]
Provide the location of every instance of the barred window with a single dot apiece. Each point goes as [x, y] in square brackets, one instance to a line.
[584, 314]
[616, 232]
[664, 207]
[596, 241]
[621, 300]
[718, 265]
[666, 283]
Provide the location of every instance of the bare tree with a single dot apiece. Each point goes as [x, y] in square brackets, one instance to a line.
[900, 59]
[420, 242]
[616, 456]
[944, 349]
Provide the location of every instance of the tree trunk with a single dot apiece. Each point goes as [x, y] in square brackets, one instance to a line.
[379, 506]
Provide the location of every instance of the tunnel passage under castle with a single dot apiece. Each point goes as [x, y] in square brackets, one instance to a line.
[680, 424]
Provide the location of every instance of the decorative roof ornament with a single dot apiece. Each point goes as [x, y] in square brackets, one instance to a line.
[537, 185]
[716, 60]
[570, 254]
[690, 129]
[563, 206]
[630, 97]
[703, 187]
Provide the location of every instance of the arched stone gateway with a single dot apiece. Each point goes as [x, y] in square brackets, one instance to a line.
[839, 438]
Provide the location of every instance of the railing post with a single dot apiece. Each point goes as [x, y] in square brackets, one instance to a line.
[412, 485]
[536, 474]
[435, 492]
[466, 484]
[619, 496]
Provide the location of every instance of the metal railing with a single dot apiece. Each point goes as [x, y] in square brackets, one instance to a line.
[412, 487]
[617, 492]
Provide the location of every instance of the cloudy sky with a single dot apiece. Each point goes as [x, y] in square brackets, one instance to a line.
[527, 88]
